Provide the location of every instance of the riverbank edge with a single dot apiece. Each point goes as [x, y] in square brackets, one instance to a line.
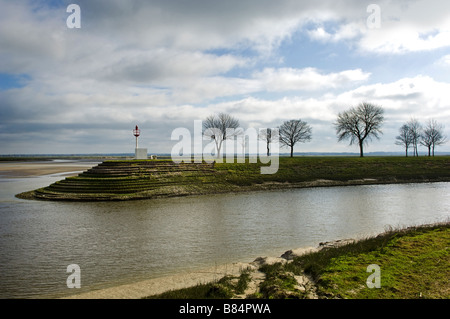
[186, 279]
[236, 189]
[306, 287]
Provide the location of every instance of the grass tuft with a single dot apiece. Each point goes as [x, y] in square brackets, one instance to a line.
[225, 288]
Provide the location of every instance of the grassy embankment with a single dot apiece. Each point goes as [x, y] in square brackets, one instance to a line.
[123, 180]
[414, 263]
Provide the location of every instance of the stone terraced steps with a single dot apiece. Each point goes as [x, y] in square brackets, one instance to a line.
[111, 178]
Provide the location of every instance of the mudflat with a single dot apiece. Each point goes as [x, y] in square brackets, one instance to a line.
[20, 169]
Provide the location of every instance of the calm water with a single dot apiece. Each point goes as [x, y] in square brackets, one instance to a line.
[121, 242]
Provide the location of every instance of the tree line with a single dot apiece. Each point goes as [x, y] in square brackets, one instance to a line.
[224, 126]
[359, 125]
[412, 133]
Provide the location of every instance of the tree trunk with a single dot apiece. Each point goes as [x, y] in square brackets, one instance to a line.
[268, 151]
[218, 147]
[361, 149]
[292, 151]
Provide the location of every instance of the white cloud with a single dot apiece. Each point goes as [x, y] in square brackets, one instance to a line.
[319, 34]
[345, 31]
[420, 96]
[444, 61]
[409, 27]
[400, 39]
[308, 79]
[405, 26]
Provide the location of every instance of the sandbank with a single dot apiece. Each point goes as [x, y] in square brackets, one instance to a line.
[19, 169]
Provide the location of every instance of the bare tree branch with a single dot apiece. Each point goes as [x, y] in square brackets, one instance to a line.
[433, 136]
[415, 130]
[219, 128]
[405, 138]
[294, 131]
[360, 124]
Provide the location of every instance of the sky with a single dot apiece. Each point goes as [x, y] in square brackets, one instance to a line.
[163, 64]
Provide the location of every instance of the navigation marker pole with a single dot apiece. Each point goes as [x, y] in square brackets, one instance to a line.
[136, 132]
[140, 153]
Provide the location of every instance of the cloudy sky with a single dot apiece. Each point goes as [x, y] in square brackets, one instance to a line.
[163, 64]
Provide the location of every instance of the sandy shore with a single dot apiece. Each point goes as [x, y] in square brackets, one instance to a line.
[159, 285]
[18, 169]
[185, 279]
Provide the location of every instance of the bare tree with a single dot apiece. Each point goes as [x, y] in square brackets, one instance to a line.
[268, 135]
[360, 124]
[244, 143]
[294, 131]
[415, 130]
[405, 138]
[433, 136]
[220, 128]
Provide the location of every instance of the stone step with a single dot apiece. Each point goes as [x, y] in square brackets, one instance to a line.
[128, 177]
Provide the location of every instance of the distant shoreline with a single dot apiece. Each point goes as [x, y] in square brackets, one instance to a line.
[105, 156]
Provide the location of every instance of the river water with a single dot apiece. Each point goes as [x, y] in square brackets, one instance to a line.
[123, 242]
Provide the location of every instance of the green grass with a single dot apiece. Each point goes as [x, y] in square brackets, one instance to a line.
[224, 288]
[278, 284]
[302, 169]
[414, 263]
